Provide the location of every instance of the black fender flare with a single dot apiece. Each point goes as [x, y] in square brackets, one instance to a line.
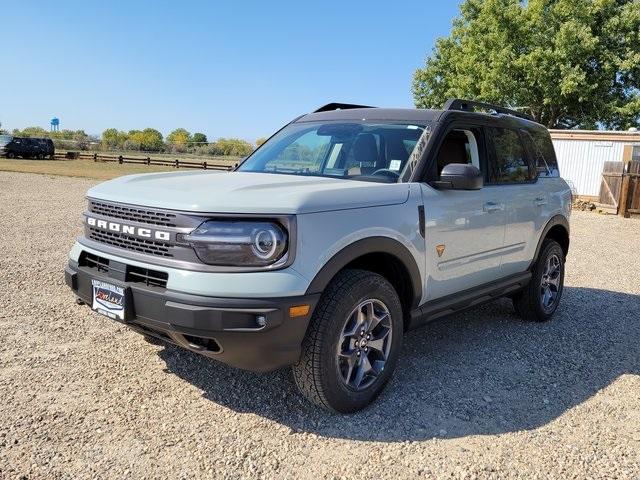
[556, 220]
[363, 247]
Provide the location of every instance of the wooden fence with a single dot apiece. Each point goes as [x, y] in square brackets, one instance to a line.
[611, 184]
[177, 163]
[620, 187]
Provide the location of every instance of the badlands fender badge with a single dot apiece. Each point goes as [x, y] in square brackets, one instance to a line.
[440, 250]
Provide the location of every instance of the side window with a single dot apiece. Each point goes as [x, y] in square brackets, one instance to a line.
[541, 149]
[509, 163]
[459, 146]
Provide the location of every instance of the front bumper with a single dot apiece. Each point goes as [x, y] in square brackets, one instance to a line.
[226, 329]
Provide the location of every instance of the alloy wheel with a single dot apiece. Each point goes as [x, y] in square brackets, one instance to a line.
[364, 344]
[550, 282]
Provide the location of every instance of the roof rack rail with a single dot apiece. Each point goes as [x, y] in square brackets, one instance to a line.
[339, 106]
[470, 106]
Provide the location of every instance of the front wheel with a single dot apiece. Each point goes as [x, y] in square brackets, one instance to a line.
[353, 342]
[11, 155]
[539, 300]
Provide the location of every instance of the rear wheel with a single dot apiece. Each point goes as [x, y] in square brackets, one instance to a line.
[352, 344]
[539, 300]
[41, 156]
[11, 155]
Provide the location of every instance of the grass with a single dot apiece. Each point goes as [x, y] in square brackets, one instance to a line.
[89, 169]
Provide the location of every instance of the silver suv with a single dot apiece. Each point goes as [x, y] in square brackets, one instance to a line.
[348, 227]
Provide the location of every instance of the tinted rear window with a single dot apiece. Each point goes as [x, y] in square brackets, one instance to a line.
[509, 163]
[544, 156]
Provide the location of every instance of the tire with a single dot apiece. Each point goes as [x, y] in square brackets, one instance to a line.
[331, 373]
[11, 155]
[539, 300]
[40, 156]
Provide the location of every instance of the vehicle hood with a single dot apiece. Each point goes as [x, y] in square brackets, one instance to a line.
[247, 192]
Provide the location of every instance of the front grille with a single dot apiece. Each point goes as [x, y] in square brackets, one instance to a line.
[151, 247]
[151, 278]
[133, 214]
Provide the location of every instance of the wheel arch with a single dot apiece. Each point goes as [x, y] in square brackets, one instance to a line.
[558, 229]
[383, 255]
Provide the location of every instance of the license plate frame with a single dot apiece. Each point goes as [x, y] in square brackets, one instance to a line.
[109, 299]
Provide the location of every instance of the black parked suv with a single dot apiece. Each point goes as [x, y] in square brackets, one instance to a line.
[12, 147]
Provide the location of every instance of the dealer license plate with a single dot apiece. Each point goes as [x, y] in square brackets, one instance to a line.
[108, 299]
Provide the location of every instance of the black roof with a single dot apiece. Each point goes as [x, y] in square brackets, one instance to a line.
[345, 111]
[377, 114]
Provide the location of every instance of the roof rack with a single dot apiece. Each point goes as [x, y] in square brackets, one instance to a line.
[471, 106]
[339, 106]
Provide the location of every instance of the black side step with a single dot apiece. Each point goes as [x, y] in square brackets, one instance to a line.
[458, 302]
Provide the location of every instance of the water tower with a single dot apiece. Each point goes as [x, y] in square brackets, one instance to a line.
[55, 124]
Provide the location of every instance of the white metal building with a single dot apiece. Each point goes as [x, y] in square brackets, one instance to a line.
[582, 153]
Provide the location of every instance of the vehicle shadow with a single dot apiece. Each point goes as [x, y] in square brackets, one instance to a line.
[480, 372]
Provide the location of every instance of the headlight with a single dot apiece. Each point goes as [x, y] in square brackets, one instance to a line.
[238, 243]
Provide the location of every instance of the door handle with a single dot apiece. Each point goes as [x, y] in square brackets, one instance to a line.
[540, 201]
[492, 207]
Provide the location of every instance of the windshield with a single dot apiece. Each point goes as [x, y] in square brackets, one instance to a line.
[363, 151]
[5, 139]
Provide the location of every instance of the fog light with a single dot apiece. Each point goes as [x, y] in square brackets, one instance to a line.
[261, 320]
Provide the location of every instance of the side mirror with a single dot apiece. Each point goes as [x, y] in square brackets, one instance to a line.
[460, 176]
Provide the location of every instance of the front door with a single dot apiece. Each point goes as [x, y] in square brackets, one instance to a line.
[464, 229]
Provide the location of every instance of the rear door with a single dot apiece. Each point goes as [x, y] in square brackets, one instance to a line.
[19, 147]
[513, 175]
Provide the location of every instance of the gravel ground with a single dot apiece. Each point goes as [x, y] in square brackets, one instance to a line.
[482, 395]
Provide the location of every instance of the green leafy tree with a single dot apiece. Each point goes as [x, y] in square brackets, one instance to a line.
[31, 132]
[234, 147]
[149, 140]
[199, 138]
[569, 63]
[113, 139]
[179, 136]
[260, 141]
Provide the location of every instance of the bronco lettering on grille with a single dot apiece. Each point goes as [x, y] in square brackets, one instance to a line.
[128, 229]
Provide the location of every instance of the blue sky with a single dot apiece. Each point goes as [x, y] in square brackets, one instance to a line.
[224, 68]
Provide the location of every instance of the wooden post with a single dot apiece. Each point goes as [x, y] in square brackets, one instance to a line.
[148, 161]
[204, 164]
[95, 157]
[627, 155]
[120, 159]
[624, 193]
[177, 163]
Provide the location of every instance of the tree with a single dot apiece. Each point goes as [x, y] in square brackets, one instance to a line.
[569, 63]
[113, 139]
[234, 147]
[199, 138]
[31, 132]
[179, 137]
[260, 141]
[148, 139]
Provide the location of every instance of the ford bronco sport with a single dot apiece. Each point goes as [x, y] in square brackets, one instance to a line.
[348, 227]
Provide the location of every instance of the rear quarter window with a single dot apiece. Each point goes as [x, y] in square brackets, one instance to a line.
[539, 144]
